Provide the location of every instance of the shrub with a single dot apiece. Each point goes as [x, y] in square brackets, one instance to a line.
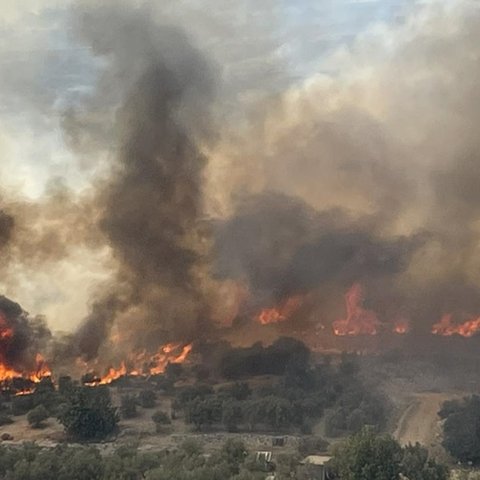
[89, 413]
[22, 404]
[161, 420]
[312, 446]
[461, 431]
[146, 398]
[5, 419]
[37, 416]
[128, 406]
[191, 447]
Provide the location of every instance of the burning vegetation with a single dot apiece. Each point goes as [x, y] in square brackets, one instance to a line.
[143, 364]
[321, 244]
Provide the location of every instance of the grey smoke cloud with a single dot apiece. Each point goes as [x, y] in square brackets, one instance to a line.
[22, 336]
[366, 171]
[151, 206]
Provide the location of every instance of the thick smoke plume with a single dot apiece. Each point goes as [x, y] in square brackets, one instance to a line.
[151, 207]
[386, 147]
[6, 226]
[21, 337]
[365, 172]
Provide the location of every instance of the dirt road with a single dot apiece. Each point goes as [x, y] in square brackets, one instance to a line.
[420, 422]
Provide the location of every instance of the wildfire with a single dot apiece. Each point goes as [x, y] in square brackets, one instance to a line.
[41, 370]
[281, 313]
[358, 321]
[446, 327]
[9, 375]
[144, 364]
[6, 331]
[401, 326]
[8, 372]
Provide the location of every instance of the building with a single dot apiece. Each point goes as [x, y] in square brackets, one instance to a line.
[315, 466]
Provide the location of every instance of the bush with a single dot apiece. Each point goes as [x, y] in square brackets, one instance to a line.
[191, 447]
[89, 413]
[65, 385]
[203, 413]
[312, 446]
[5, 419]
[128, 406]
[461, 429]
[416, 465]
[37, 416]
[161, 419]
[234, 452]
[237, 391]
[259, 360]
[366, 456]
[195, 392]
[173, 371]
[147, 398]
[22, 404]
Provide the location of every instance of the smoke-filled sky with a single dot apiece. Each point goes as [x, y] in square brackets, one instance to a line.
[153, 152]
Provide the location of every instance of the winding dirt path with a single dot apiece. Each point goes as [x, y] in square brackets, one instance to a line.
[420, 422]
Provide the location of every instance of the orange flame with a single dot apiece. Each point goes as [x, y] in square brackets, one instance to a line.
[447, 328]
[7, 372]
[401, 326]
[358, 320]
[282, 313]
[42, 369]
[6, 332]
[143, 364]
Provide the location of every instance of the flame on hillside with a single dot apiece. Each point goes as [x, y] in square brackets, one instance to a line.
[358, 320]
[281, 313]
[9, 372]
[401, 326]
[446, 327]
[143, 364]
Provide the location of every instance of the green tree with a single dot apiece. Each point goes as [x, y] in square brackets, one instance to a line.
[128, 406]
[365, 456]
[89, 413]
[312, 445]
[416, 465]
[234, 453]
[147, 398]
[203, 413]
[5, 419]
[462, 429]
[160, 419]
[232, 415]
[37, 416]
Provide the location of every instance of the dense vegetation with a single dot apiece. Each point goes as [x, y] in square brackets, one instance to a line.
[366, 456]
[362, 457]
[462, 428]
[88, 413]
[257, 389]
[188, 462]
[293, 401]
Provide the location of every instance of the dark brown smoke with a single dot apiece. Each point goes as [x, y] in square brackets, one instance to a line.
[6, 226]
[280, 247]
[151, 207]
[21, 337]
[368, 174]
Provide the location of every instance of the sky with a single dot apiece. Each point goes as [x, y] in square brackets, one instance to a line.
[44, 69]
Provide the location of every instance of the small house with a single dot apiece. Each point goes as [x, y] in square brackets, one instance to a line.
[315, 466]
